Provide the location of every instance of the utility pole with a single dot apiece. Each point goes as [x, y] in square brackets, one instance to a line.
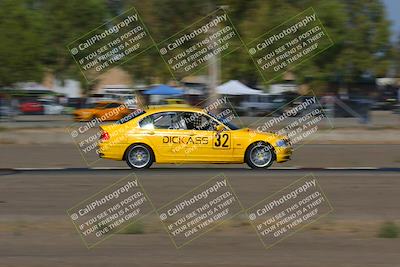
[213, 72]
[214, 68]
[214, 78]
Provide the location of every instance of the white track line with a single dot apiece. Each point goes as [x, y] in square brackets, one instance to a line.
[285, 168]
[351, 168]
[38, 169]
[110, 168]
[127, 168]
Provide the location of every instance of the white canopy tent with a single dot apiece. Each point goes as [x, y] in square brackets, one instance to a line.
[235, 87]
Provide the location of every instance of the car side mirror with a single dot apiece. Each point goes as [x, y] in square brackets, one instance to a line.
[219, 128]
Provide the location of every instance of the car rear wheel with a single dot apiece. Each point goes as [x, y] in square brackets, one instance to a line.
[139, 156]
[259, 155]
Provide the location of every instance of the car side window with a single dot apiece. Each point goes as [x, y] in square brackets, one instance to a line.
[164, 120]
[198, 121]
[101, 106]
[147, 123]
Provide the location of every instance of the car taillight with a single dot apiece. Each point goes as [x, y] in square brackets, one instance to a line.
[104, 136]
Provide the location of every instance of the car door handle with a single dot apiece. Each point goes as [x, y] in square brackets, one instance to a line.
[150, 133]
[192, 134]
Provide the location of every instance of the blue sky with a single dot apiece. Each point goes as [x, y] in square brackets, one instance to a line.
[393, 11]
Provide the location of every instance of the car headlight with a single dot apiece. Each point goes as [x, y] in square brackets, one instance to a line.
[282, 143]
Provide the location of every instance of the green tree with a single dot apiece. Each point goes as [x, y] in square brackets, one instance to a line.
[366, 47]
[21, 42]
[65, 22]
[359, 29]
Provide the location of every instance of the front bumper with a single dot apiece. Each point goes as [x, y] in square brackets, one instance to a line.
[82, 117]
[283, 154]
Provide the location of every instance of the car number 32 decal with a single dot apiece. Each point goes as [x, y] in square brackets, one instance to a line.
[222, 140]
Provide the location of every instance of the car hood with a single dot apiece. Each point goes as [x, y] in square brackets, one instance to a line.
[83, 110]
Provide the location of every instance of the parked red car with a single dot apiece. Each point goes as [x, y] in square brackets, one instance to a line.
[31, 107]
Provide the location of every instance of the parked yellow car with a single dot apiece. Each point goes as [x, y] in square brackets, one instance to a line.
[188, 135]
[104, 111]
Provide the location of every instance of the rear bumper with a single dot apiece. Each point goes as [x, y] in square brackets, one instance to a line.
[111, 151]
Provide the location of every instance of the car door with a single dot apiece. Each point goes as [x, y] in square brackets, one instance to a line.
[167, 134]
[207, 144]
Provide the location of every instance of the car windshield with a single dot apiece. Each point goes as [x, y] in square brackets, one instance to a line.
[101, 105]
[131, 116]
[224, 121]
[89, 105]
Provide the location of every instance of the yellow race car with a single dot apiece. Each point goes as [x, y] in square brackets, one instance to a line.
[188, 135]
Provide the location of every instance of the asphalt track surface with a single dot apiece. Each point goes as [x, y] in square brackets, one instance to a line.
[39, 183]
[306, 156]
[36, 231]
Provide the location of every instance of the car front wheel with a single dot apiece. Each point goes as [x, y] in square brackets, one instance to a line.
[139, 156]
[259, 155]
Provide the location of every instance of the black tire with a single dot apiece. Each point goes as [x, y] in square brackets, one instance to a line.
[145, 151]
[261, 147]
